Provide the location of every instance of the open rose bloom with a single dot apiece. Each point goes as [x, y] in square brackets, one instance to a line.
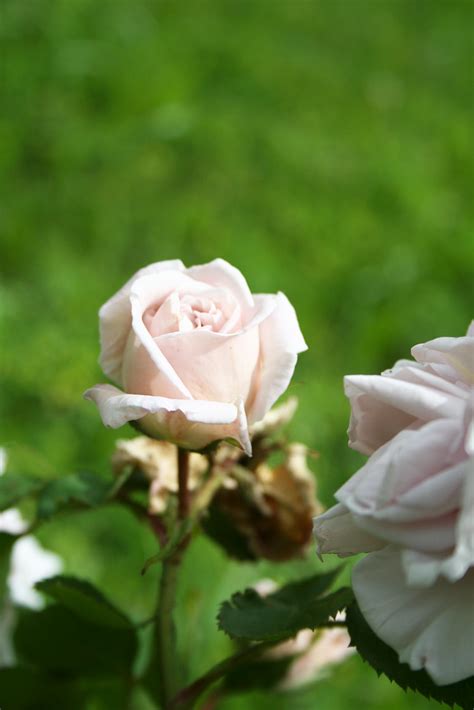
[197, 356]
[411, 507]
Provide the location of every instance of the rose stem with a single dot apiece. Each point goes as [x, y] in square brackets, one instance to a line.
[165, 632]
[183, 491]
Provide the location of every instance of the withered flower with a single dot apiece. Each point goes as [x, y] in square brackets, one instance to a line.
[268, 512]
[158, 461]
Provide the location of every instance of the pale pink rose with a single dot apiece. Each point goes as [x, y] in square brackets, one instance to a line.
[411, 506]
[198, 357]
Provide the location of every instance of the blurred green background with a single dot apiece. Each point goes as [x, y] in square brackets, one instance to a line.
[324, 147]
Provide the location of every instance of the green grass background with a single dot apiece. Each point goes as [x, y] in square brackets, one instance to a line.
[322, 146]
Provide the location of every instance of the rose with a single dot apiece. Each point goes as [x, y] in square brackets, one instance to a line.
[198, 356]
[412, 507]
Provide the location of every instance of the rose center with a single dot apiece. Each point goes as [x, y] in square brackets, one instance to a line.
[182, 314]
[198, 312]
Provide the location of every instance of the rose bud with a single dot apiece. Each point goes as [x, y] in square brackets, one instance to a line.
[198, 357]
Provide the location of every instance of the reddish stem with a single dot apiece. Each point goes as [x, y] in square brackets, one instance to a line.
[183, 490]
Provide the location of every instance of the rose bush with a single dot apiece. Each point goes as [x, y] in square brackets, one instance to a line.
[198, 357]
[412, 507]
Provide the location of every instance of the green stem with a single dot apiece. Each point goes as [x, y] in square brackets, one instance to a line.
[165, 632]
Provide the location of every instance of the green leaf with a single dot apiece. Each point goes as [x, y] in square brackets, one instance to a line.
[296, 606]
[56, 639]
[385, 660]
[6, 543]
[84, 488]
[85, 600]
[15, 486]
[23, 688]
[20, 688]
[263, 674]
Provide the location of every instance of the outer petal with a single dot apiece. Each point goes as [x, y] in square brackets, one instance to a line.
[410, 458]
[402, 496]
[428, 628]
[336, 532]
[382, 406]
[145, 292]
[220, 273]
[280, 342]
[423, 570]
[458, 353]
[189, 423]
[116, 319]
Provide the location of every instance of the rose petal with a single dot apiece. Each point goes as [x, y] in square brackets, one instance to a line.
[280, 342]
[115, 319]
[382, 406]
[402, 494]
[458, 353]
[336, 532]
[189, 423]
[144, 293]
[411, 457]
[422, 569]
[214, 365]
[220, 273]
[428, 628]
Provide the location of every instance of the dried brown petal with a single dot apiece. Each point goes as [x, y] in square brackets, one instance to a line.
[158, 461]
[271, 509]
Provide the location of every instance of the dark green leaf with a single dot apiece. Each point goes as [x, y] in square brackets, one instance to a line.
[56, 639]
[263, 674]
[85, 600]
[385, 660]
[24, 688]
[303, 589]
[20, 688]
[84, 488]
[15, 486]
[280, 615]
[6, 544]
